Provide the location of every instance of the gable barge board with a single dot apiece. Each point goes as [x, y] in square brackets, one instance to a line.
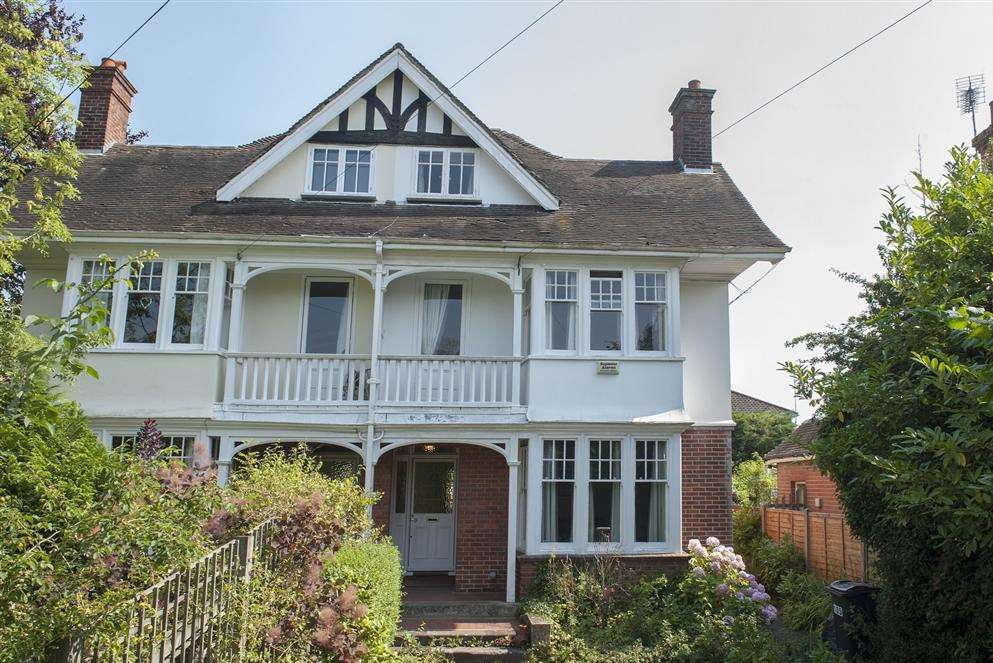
[390, 137]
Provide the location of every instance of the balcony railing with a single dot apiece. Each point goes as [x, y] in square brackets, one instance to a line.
[323, 380]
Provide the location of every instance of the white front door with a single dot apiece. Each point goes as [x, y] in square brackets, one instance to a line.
[431, 529]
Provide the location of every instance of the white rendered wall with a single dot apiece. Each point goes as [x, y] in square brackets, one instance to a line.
[40, 299]
[706, 346]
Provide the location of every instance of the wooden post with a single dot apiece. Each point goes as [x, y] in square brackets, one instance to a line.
[518, 292]
[806, 537]
[246, 559]
[827, 570]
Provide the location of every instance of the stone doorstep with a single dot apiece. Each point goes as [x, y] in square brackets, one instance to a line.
[481, 654]
[461, 610]
[468, 630]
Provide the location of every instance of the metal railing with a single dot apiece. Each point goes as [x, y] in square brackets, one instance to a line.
[186, 616]
[314, 380]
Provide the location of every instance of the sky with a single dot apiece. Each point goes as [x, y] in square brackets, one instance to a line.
[595, 80]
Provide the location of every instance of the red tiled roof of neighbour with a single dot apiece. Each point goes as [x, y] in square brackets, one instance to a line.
[795, 446]
[744, 403]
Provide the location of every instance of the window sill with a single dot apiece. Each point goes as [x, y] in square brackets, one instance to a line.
[338, 198]
[428, 200]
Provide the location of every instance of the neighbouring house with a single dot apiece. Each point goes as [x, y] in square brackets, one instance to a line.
[526, 354]
[798, 481]
[744, 403]
[983, 142]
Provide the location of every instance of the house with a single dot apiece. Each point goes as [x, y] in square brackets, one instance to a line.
[983, 141]
[744, 403]
[798, 481]
[526, 354]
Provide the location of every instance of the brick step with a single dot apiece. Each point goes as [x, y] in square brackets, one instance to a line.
[461, 609]
[463, 631]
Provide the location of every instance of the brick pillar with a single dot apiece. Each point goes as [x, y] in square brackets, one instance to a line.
[383, 484]
[481, 521]
[104, 107]
[706, 458]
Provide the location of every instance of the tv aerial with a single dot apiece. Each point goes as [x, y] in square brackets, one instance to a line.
[970, 91]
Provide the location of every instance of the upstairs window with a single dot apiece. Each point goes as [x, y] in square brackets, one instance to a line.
[649, 310]
[606, 303]
[446, 172]
[189, 319]
[339, 170]
[96, 273]
[560, 310]
[141, 321]
[441, 333]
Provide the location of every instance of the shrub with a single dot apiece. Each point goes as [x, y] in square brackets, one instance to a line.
[752, 483]
[772, 561]
[747, 529]
[806, 605]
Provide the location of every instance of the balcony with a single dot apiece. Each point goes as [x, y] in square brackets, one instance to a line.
[321, 381]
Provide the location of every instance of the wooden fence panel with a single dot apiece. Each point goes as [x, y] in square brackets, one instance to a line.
[184, 617]
[826, 541]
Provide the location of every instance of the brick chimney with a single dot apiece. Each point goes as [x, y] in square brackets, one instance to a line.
[104, 107]
[691, 110]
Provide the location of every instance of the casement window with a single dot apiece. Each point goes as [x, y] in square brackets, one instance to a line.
[650, 311]
[178, 447]
[558, 490]
[327, 316]
[189, 318]
[226, 308]
[650, 484]
[798, 493]
[340, 170]
[441, 319]
[522, 493]
[561, 300]
[446, 173]
[141, 320]
[605, 491]
[97, 273]
[606, 306]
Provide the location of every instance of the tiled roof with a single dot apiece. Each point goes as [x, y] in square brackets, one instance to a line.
[623, 204]
[795, 446]
[744, 403]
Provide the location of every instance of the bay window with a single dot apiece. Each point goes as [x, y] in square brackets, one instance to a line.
[560, 310]
[650, 310]
[558, 489]
[189, 319]
[650, 483]
[606, 305]
[605, 491]
[445, 172]
[141, 320]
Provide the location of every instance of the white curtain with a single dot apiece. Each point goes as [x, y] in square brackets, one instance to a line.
[656, 513]
[198, 322]
[549, 512]
[341, 347]
[435, 305]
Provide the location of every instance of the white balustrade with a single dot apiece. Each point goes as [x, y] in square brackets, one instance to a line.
[288, 379]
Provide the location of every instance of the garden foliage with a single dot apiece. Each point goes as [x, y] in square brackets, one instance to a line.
[904, 392]
[757, 433]
[752, 484]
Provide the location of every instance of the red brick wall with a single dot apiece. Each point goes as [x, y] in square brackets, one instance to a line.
[706, 456]
[672, 564]
[818, 485]
[104, 107]
[691, 133]
[481, 520]
[383, 484]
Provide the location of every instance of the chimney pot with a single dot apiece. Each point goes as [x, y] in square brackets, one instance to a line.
[691, 132]
[105, 106]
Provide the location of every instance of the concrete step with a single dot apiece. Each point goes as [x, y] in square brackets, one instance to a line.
[481, 654]
[463, 631]
[460, 609]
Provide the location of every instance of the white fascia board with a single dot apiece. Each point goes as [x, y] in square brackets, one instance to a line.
[240, 182]
[496, 151]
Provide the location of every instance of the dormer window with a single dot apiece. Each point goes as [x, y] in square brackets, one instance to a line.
[446, 173]
[337, 170]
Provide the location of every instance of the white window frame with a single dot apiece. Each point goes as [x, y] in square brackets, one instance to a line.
[578, 467]
[110, 434]
[578, 332]
[304, 310]
[622, 310]
[339, 182]
[105, 270]
[580, 543]
[600, 439]
[666, 325]
[445, 174]
[164, 321]
[173, 270]
[464, 339]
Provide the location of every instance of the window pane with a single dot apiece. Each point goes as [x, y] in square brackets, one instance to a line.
[400, 494]
[423, 175]
[331, 177]
[434, 487]
[189, 320]
[435, 183]
[454, 178]
[649, 512]
[560, 323]
[96, 272]
[442, 326]
[467, 179]
[327, 317]
[317, 178]
[556, 511]
[363, 179]
[142, 316]
[348, 184]
[605, 330]
[650, 326]
[605, 511]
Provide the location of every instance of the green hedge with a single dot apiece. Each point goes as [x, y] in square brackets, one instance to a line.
[373, 567]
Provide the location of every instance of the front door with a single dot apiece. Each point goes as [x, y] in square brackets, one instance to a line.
[430, 515]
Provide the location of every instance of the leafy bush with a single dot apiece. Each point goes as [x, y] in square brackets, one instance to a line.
[757, 433]
[903, 390]
[752, 483]
[806, 605]
[747, 530]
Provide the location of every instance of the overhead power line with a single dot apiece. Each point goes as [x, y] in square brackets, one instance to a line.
[87, 78]
[747, 290]
[434, 99]
[814, 73]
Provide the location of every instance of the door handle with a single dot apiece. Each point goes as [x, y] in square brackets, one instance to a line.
[432, 520]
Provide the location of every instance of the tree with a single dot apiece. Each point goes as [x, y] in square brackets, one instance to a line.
[757, 433]
[904, 391]
[38, 159]
[752, 483]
